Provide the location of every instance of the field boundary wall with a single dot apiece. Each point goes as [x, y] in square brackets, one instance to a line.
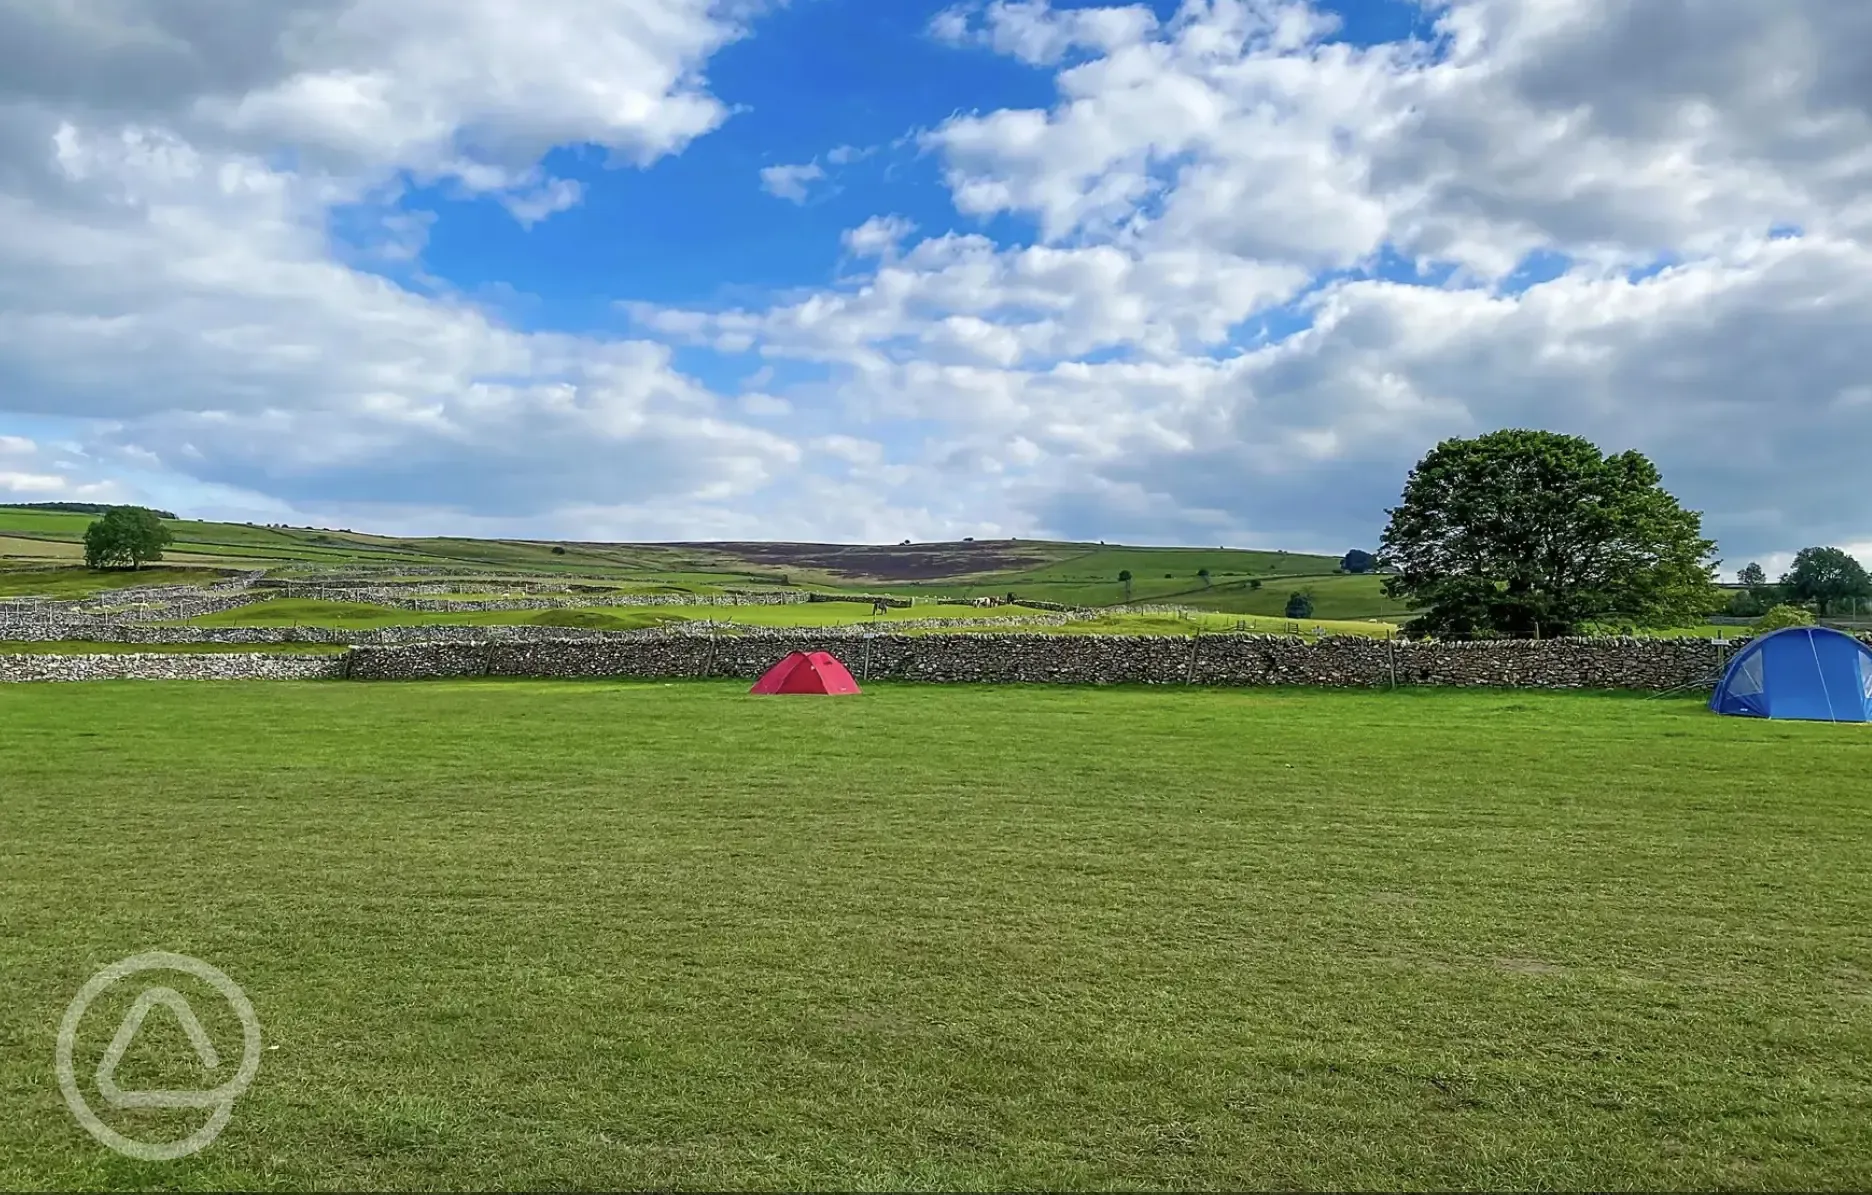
[987, 657]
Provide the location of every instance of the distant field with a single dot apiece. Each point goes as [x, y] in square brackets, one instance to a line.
[313, 612]
[1071, 573]
[1121, 623]
[567, 935]
[68, 583]
[1338, 595]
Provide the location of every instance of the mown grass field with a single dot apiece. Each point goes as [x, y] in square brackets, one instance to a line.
[614, 935]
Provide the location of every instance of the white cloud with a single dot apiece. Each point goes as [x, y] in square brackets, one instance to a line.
[1195, 174]
[551, 196]
[877, 237]
[162, 276]
[1193, 347]
[789, 182]
[30, 471]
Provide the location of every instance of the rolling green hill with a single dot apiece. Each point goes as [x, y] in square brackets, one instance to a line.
[39, 550]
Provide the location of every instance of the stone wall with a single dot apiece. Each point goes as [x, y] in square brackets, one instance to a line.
[166, 666]
[893, 603]
[1232, 659]
[110, 631]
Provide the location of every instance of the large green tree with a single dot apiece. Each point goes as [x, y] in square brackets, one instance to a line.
[126, 537]
[1531, 533]
[1827, 577]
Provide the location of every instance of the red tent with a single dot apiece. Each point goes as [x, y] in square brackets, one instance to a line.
[806, 672]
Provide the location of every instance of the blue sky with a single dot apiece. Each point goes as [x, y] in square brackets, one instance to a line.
[698, 229]
[1207, 271]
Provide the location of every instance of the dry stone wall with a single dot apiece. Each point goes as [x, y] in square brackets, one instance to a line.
[1231, 659]
[1645, 664]
[169, 666]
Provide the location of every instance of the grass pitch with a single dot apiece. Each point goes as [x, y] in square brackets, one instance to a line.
[542, 935]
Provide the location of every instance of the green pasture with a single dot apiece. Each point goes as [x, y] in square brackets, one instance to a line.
[66, 583]
[281, 612]
[539, 935]
[1090, 577]
[1120, 622]
[1335, 595]
[1072, 574]
[316, 612]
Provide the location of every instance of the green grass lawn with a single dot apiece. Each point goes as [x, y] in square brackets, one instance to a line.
[614, 935]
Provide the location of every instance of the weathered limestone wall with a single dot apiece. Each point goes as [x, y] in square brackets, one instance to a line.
[1650, 664]
[170, 666]
[1643, 664]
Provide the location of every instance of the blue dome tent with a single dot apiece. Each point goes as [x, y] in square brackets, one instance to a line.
[1812, 673]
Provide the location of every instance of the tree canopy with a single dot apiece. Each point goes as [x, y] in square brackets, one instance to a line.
[1528, 533]
[126, 537]
[1826, 577]
[1358, 561]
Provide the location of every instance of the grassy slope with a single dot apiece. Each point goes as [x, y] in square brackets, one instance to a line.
[359, 615]
[1334, 596]
[550, 935]
[310, 612]
[1077, 574]
[67, 583]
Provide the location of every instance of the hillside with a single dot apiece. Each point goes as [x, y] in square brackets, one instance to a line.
[1237, 581]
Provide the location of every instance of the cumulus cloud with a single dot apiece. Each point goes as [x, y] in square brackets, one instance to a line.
[1267, 268]
[878, 236]
[1272, 268]
[789, 182]
[30, 471]
[164, 273]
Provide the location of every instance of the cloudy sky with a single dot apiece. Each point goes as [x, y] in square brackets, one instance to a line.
[1208, 272]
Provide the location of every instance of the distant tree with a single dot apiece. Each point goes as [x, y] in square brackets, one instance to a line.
[1826, 577]
[558, 551]
[1743, 604]
[1762, 593]
[1782, 616]
[1358, 561]
[127, 536]
[1299, 605]
[1254, 582]
[1530, 533]
[74, 508]
[1202, 574]
[1124, 577]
